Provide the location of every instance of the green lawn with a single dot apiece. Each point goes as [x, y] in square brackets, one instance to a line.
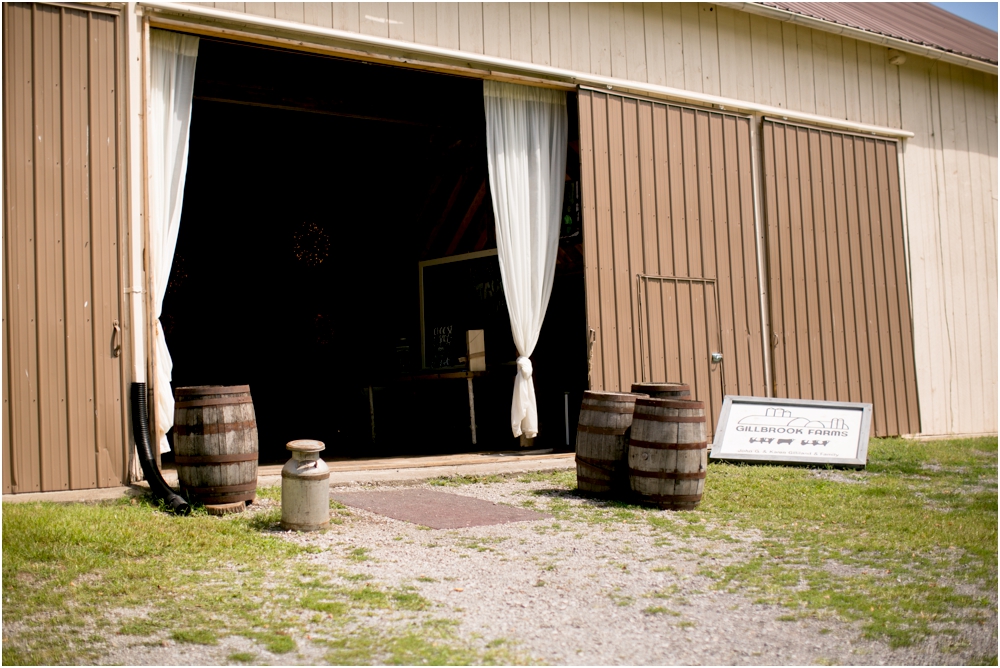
[889, 546]
[907, 548]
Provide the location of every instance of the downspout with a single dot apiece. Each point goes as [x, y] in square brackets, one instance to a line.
[140, 431]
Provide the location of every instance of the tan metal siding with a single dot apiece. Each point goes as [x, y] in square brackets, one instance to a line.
[668, 195]
[693, 46]
[840, 310]
[951, 213]
[62, 387]
[19, 252]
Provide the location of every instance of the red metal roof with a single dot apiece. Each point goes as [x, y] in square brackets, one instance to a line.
[917, 22]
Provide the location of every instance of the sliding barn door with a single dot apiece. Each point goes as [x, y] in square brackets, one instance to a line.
[63, 419]
[840, 313]
[670, 247]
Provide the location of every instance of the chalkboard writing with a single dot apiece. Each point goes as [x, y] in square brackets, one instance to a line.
[458, 294]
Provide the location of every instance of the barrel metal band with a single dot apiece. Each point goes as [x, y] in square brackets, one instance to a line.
[668, 446]
[667, 475]
[600, 465]
[593, 481]
[669, 418]
[673, 498]
[214, 401]
[223, 489]
[216, 459]
[621, 397]
[627, 408]
[607, 431]
[214, 428]
[210, 390]
[682, 404]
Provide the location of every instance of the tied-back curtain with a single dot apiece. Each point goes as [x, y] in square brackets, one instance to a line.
[172, 62]
[526, 134]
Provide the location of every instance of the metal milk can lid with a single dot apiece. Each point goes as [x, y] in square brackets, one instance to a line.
[306, 445]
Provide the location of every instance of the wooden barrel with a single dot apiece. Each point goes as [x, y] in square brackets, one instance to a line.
[663, 390]
[215, 444]
[601, 442]
[668, 453]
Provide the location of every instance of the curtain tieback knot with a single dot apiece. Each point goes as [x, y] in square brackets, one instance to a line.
[524, 367]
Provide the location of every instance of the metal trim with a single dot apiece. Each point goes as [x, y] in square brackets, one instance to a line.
[667, 475]
[222, 489]
[760, 236]
[220, 401]
[650, 445]
[194, 460]
[687, 419]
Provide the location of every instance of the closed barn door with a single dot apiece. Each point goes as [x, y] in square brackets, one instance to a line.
[63, 414]
[670, 247]
[840, 313]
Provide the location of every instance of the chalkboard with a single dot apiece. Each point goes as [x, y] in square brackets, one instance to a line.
[460, 293]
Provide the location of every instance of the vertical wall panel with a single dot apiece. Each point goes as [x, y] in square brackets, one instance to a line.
[62, 388]
[49, 264]
[108, 392]
[669, 246]
[843, 285]
[496, 29]
[321, 14]
[76, 252]
[21, 370]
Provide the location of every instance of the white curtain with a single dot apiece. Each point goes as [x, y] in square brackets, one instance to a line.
[526, 134]
[172, 62]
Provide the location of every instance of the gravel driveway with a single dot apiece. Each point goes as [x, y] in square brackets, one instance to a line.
[579, 592]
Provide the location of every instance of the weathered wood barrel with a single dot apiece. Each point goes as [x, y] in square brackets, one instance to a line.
[601, 442]
[663, 390]
[668, 453]
[215, 444]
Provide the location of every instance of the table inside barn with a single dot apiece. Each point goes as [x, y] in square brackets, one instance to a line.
[446, 375]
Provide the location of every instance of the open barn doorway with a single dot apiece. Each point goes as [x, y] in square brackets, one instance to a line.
[317, 188]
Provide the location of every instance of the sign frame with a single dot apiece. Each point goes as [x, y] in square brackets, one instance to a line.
[860, 459]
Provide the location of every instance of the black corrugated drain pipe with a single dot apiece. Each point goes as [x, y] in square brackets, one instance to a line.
[140, 430]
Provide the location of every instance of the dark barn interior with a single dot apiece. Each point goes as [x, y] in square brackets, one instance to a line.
[315, 187]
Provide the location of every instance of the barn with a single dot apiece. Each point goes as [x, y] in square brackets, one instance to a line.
[315, 200]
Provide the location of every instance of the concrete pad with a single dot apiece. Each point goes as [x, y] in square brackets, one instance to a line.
[437, 510]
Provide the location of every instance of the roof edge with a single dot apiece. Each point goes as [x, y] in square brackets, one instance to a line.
[862, 35]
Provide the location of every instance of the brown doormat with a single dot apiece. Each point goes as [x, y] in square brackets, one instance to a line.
[437, 510]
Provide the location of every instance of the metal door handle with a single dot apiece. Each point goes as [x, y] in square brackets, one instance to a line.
[116, 335]
[716, 358]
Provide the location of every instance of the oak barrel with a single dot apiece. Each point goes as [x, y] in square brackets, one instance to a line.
[668, 453]
[601, 441]
[663, 390]
[215, 443]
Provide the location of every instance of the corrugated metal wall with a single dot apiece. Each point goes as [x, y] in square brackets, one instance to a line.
[840, 314]
[951, 216]
[667, 192]
[62, 380]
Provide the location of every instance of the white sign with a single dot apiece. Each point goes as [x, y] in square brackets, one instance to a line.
[793, 431]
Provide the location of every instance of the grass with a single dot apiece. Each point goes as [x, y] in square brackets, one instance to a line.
[459, 480]
[907, 549]
[70, 571]
[893, 547]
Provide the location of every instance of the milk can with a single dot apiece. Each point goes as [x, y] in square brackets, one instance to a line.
[305, 488]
